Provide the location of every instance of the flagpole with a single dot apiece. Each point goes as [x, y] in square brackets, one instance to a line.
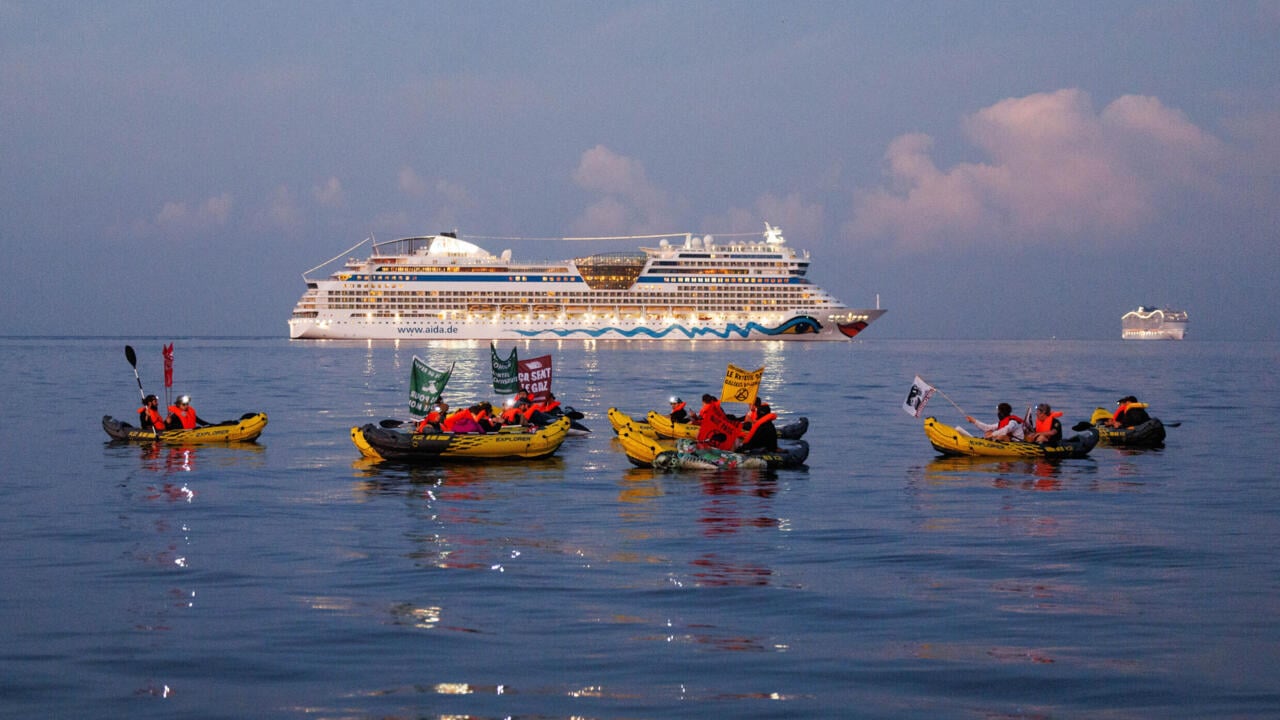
[953, 402]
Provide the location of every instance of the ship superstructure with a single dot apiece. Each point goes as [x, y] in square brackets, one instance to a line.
[1148, 323]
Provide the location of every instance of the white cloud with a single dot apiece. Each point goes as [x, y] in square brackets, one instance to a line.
[329, 194]
[1056, 169]
[282, 210]
[177, 216]
[412, 184]
[631, 203]
[800, 221]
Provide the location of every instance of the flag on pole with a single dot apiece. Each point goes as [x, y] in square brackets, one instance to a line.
[168, 371]
[425, 386]
[168, 364]
[741, 385]
[917, 397]
[535, 376]
[506, 376]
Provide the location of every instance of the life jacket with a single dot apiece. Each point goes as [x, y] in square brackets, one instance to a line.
[1008, 419]
[677, 408]
[511, 416]
[549, 407]
[153, 416]
[1045, 424]
[1120, 412]
[746, 437]
[187, 416]
[432, 418]
[448, 423]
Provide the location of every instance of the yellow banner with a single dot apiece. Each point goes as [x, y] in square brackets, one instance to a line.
[740, 385]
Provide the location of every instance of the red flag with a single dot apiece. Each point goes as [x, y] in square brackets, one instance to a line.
[168, 365]
[535, 376]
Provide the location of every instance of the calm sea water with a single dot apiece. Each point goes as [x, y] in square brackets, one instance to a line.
[291, 579]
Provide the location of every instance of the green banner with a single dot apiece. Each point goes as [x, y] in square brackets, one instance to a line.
[425, 386]
[506, 380]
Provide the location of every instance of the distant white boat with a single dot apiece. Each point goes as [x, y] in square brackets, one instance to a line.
[1153, 324]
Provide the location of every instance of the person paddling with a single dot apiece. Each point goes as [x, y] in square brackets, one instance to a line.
[149, 417]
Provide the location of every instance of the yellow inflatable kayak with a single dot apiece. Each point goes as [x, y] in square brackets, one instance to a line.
[403, 445]
[246, 429]
[951, 441]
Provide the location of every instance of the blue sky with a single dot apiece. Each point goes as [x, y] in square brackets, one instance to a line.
[989, 169]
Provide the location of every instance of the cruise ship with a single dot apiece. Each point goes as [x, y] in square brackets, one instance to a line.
[1153, 324]
[689, 287]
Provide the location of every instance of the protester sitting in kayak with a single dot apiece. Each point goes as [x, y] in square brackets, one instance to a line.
[1048, 430]
[433, 420]
[182, 416]
[149, 417]
[1007, 426]
[760, 435]
[464, 421]
[1128, 413]
[678, 412]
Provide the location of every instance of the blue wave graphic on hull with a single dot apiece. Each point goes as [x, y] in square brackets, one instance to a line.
[794, 326]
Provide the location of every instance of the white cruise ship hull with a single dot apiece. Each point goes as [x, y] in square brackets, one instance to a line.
[842, 326]
[1168, 331]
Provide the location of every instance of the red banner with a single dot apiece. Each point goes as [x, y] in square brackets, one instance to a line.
[535, 376]
[168, 365]
[717, 429]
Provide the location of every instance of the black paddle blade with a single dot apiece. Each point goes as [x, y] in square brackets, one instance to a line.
[130, 355]
[1082, 425]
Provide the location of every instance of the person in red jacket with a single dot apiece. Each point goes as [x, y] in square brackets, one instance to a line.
[1007, 426]
[760, 434]
[149, 417]
[182, 416]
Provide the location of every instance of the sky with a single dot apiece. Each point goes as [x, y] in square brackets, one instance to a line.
[988, 170]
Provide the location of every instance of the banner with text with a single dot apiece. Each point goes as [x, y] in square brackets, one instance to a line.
[506, 377]
[740, 385]
[716, 429]
[535, 376]
[425, 386]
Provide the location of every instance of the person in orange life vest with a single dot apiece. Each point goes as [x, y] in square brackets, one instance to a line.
[149, 417]
[512, 415]
[464, 421]
[182, 416]
[550, 406]
[1007, 426]
[488, 420]
[1048, 430]
[761, 435]
[678, 413]
[717, 428]
[433, 419]
[1126, 414]
[452, 419]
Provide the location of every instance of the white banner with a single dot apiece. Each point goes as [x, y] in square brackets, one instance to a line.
[917, 397]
